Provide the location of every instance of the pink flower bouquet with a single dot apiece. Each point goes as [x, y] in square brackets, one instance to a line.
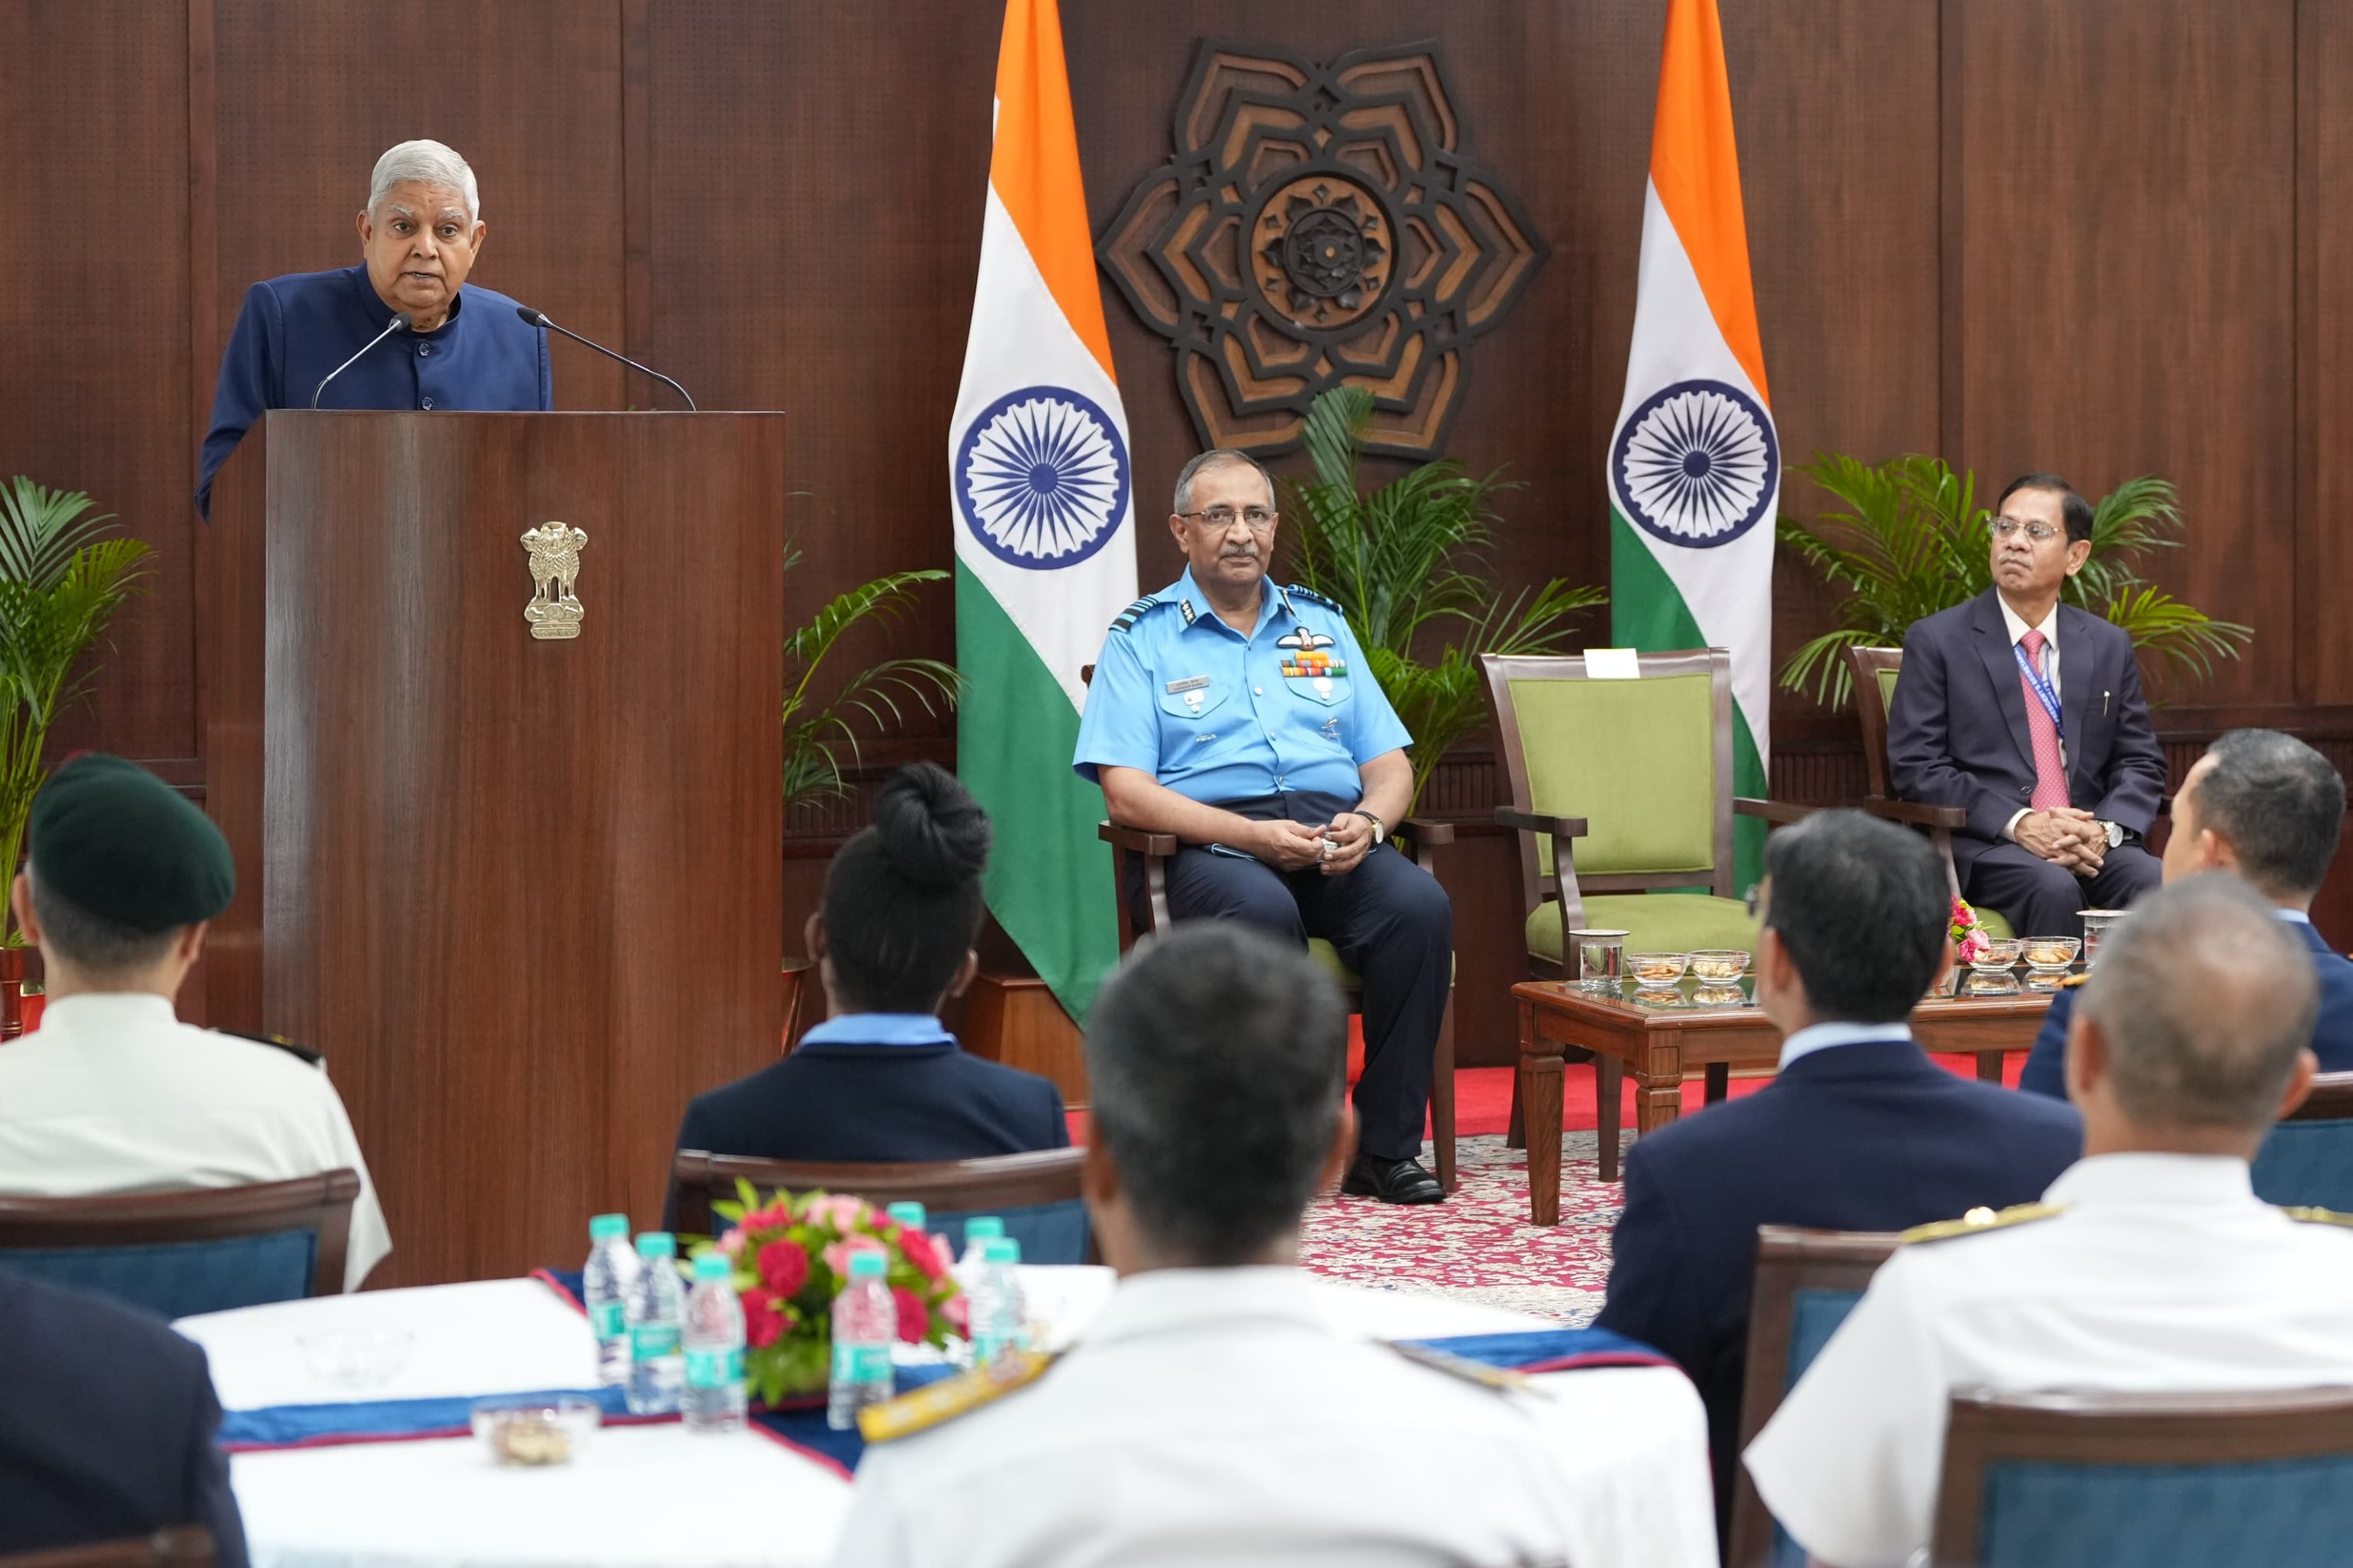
[791, 1257]
[1968, 933]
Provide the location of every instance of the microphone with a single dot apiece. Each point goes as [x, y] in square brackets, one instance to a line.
[400, 323]
[539, 319]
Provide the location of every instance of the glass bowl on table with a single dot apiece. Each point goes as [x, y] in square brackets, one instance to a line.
[2000, 983]
[1718, 996]
[1713, 966]
[1657, 971]
[534, 1430]
[355, 1361]
[2049, 955]
[1995, 955]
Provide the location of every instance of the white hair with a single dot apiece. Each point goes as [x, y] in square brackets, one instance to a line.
[425, 163]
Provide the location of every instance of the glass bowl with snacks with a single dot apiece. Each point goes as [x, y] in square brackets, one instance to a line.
[2001, 984]
[1995, 954]
[1718, 965]
[535, 1431]
[1718, 996]
[1657, 971]
[2050, 954]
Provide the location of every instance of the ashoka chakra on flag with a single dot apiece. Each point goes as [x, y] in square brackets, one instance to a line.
[1041, 478]
[1697, 464]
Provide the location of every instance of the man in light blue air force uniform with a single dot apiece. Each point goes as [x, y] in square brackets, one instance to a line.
[1239, 717]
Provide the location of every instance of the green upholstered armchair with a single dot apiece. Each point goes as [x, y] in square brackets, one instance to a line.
[1627, 785]
[1874, 670]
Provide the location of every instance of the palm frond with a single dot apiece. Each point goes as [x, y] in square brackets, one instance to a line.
[41, 530]
[877, 698]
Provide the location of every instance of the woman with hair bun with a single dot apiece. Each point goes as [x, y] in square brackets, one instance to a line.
[881, 1080]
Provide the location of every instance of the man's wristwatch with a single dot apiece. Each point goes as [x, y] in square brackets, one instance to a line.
[1380, 828]
[2116, 833]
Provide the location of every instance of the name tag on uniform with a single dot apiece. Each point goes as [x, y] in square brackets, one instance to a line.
[1191, 683]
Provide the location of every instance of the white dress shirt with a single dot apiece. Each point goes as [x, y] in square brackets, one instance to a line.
[1219, 1415]
[113, 1094]
[1823, 1036]
[2164, 1274]
[2018, 628]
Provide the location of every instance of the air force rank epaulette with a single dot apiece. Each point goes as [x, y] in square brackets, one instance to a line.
[1311, 596]
[2305, 1214]
[1132, 613]
[943, 1401]
[1980, 1220]
[1493, 1377]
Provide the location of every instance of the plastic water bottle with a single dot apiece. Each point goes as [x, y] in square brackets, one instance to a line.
[1000, 1312]
[656, 1306]
[908, 1214]
[714, 1338]
[979, 1232]
[605, 1281]
[865, 1326]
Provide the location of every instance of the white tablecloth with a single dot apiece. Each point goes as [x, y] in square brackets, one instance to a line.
[1637, 1434]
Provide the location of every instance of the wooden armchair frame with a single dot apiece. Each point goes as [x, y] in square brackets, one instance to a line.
[949, 1186]
[181, 1546]
[321, 1203]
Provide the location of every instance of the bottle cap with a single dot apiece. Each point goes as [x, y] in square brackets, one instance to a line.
[1000, 1249]
[910, 1214]
[868, 1263]
[982, 1227]
[656, 1244]
[609, 1227]
[714, 1265]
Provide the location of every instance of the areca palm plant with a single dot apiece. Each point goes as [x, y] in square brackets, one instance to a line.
[1912, 541]
[61, 581]
[1405, 565]
[816, 737]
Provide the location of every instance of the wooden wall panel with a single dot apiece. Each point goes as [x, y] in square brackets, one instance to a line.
[2324, 512]
[2125, 244]
[95, 126]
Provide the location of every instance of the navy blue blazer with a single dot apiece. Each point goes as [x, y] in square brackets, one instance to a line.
[1863, 1137]
[293, 331]
[856, 1102]
[2332, 1033]
[1956, 731]
[106, 1426]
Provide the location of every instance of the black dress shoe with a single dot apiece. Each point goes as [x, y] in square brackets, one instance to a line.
[1392, 1181]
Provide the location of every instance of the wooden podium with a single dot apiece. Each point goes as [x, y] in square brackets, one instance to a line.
[526, 894]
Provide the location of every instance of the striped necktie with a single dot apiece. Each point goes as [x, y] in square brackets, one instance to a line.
[2050, 773]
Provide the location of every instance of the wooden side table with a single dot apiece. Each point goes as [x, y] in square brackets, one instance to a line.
[1658, 1042]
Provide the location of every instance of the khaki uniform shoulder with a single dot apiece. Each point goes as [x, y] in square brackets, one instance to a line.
[939, 1403]
[1489, 1377]
[2073, 981]
[2305, 1214]
[1979, 1221]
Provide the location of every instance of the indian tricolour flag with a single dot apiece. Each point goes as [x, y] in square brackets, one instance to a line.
[1695, 468]
[1037, 481]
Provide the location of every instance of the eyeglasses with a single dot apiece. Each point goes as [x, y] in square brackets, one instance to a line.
[2037, 530]
[1259, 518]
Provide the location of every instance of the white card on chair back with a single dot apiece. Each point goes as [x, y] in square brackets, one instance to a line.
[1613, 663]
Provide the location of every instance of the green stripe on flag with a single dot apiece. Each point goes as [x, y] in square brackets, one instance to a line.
[1647, 612]
[1050, 878]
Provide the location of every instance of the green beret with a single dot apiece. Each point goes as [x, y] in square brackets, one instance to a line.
[112, 838]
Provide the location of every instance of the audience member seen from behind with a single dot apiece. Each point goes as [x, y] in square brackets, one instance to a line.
[1214, 1409]
[1859, 1130]
[113, 1094]
[2269, 807]
[881, 1079]
[2149, 1268]
[106, 1426]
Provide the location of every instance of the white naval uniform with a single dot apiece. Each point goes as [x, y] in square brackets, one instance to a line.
[2164, 1274]
[113, 1094]
[1216, 1415]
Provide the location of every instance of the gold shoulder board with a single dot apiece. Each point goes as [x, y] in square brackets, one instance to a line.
[1469, 1371]
[2075, 980]
[1980, 1220]
[944, 1401]
[2309, 1215]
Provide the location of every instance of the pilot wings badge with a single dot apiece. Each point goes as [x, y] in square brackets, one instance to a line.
[554, 613]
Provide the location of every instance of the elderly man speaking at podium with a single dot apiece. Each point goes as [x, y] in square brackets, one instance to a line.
[399, 331]
[1240, 717]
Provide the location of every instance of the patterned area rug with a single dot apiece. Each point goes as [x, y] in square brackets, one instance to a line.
[1478, 1246]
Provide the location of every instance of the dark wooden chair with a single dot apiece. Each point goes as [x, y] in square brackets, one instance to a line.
[1575, 742]
[203, 1249]
[184, 1546]
[2307, 1161]
[1037, 1194]
[1807, 1282]
[1141, 858]
[2115, 1479]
